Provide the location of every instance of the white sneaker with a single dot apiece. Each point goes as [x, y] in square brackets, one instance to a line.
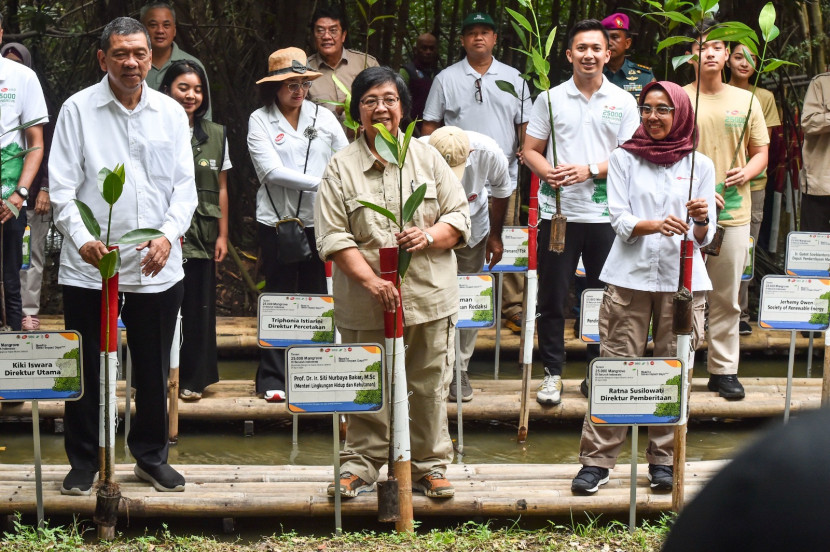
[274, 395]
[550, 392]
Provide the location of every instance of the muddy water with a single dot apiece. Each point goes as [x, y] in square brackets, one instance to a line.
[549, 442]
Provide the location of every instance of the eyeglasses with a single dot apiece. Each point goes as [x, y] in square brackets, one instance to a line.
[479, 97]
[662, 110]
[295, 86]
[321, 31]
[372, 103]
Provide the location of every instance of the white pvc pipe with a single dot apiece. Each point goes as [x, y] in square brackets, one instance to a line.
[400, 400]
[107, 425]
[528, 330]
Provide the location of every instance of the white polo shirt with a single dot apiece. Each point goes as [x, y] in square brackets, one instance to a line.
[452, 99]
[94, 130]
[587, 131]
[21, 100]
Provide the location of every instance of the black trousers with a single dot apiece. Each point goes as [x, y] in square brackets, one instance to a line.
[198, 366]
[308, 277]
[150, 319]
[815, 213]
[13, 230]
[556, 270]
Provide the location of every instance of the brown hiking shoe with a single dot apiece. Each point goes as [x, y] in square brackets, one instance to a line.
[350, 486]
[514, 323]
[434, 485]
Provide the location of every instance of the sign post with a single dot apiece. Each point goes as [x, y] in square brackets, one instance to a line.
[636, 392]
[794, 304]
[514, 259]
[476, 310]
[335, 379]
[40, 366]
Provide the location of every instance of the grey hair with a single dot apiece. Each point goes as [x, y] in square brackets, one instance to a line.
[156, 5]
[122, 26]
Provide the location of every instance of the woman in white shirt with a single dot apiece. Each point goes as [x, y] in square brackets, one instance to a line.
[650, 210]
[290, 141]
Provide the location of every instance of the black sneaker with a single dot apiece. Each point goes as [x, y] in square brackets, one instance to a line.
[583, 388]
[744, 328]
[588, 480]
[466, 388]
[727, 386]
[661, 477]
[79, 482]
[163, 477]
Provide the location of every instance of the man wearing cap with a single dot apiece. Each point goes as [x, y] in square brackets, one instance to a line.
[620, 70]
[481, 166]
[330, 27]
[465, 95]
[160, 20]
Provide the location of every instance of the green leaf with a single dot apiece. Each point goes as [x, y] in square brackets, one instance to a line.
[25, 125]
[412, 203]
[404, 258]
[410, 129]
[88, 219]
[748, 55]
[708, 5]
[378, 209]
[773, 64]
[381, 18]
[730, 34]
[14, 210]
[386, 144]
[773, 34]
[507, 87]
[672, 40]
[119, 170]
[540, 85]
[113, 186]
[363, 11]
[20, 153]
[766, 21]
[370, 32]
[538, 62]
[139, 235]
[520, 33]
[343, 88]
[520, 19]
[677, 61]
[654, 4]
[526, 4]
[678, 17]
[108, 265]
[549, 43]
[751, 46]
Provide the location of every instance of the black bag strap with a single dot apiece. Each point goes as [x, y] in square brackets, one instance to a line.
[305, 168]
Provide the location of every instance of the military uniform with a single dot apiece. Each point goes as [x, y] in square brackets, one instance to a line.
[631, 77]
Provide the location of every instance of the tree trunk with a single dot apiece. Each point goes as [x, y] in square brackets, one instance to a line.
[819, 39]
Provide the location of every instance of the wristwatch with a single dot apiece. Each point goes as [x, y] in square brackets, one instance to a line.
[594, 170]
[22, 192]
[429, 238]
[704, 222]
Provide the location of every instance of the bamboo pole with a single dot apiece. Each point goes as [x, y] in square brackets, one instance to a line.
[173, 383]
[529, 309]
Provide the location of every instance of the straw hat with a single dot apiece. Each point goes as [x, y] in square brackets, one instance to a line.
[286, 63]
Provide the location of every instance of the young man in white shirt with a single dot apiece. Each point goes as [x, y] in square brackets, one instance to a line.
[591, 117]
[481, 166]
[21, 101]
[122, 120]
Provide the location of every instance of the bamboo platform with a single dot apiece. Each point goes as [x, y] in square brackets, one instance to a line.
[236, 337]
[492, 490]
[492, 400]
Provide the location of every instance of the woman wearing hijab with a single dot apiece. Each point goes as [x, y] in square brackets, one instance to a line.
[648, 201]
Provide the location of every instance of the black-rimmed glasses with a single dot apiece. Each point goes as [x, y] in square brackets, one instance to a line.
[479, 97]
[372, 103]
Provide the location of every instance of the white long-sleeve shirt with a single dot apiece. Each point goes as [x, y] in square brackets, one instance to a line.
[94, 131]
[640, 190]
[278, 152]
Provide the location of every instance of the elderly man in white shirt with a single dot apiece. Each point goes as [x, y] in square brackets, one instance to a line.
[482, 168]
[122, 120]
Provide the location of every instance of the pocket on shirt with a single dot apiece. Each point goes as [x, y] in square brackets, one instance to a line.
[429, 211]
[366, 224]
[160, 163]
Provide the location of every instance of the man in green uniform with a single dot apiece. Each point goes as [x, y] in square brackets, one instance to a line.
[620, 70]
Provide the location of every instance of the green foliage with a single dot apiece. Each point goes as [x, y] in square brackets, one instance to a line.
[520, 261]
[485, 315]
[822, 318]
[373, 396]
[670, 410]
[73, 383]
[325, 336]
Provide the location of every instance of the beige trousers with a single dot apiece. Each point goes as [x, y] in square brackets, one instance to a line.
[624, 318]
[724, 312]
[755, 221]
[430, 354]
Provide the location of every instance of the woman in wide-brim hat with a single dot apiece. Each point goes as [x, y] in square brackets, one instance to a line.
[291, 141]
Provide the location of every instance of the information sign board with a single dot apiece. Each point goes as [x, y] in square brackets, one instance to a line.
[514, 257]
[285, 320]
[789, 303]
[475, 301]
[40, 366]
[808, 254]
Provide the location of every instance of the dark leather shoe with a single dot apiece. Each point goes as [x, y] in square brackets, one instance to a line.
[727, 386]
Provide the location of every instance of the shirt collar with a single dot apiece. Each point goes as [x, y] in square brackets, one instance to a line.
[343, 59]
[572, 90]
[106, 95]
[468, 69]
